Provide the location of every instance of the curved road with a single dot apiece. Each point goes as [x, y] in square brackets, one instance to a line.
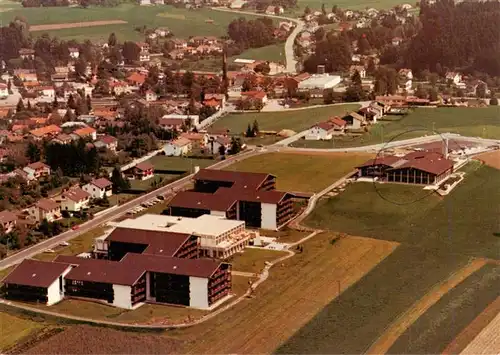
[291, 63]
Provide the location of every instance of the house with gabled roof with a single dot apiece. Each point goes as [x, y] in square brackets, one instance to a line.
[74, 200]
[98, 188]
[45, 209]
[326, 130]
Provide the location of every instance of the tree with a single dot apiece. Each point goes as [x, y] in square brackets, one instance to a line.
[112, 40]
[222, 150]
[258, 105]
[89, 103]
[481, 90]
[421, 92]
[81, 67]
[3, 251]
[235, 145]
[119, 182]
[20, 105]
[255, 128]
[130, 51]
[494, 101]
[33, 152]
[433, 95]
[307, 10]
[323, 9]
[249, 133]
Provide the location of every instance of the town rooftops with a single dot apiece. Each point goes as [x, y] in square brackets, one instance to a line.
[76, 194]
[157, 242]
[40, 132]
[7, 216]
[101, 183]
[36, 273]
[47, 204]
[245, 179]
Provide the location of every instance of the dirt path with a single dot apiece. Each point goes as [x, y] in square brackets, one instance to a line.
[396, 329]
[468, 335]
[63, 26]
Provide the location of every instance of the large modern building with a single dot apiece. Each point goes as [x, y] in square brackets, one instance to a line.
[243, 196]
[426, 168]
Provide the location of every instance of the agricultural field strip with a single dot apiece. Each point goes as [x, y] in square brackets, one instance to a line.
[263, 331]
[396, 329]
[487, 342]
[62, 26]
[470, 333]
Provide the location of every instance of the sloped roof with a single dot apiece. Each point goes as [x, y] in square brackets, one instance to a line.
[101, 183]
[36, 273]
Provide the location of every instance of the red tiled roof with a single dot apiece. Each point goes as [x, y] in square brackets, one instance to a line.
[158, 242]
[170, 122]
[40, 132]
[47, 204]
[35, 273]
[137, 78]
[85, 131]
[203, 201]
[101, 183]
[433, 163]
[7, 216]
[145, 165]
[108, 139]
[76, 194]
[380, 160]
[38, 166]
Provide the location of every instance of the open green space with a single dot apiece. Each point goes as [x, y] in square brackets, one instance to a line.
[182, 22]
[464, 222]
[296, 120]
[253, 259]
[180, 164]
[315, 5]
[13, 329]
[145, 185]
[300, 172]
[474, 122]
[355, 319]
[437, 327]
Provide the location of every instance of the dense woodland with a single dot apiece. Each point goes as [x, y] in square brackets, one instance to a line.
[251, 33]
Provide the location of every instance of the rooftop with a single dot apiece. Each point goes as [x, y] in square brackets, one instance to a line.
[205, 224]
[243, 178]
[101, 183]
[36, 273]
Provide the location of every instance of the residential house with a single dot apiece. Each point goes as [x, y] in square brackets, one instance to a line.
[62, 139]
[136, 79]
[354, 121]
[37, 170]
[27, 53]
[98, 188]
[143, 171]
[396, 41]
[86, 132]
[144, 2]
[4, 91]
[221, 98]
[178, 147]
[108, 142]
[162, 31]
[454, 78]
[193, 119]
[45, 209]
[47, 92]
[8, 221]
[257, 96]
[179, 43]
[274, 10]
[144, 53]
[74, 52]
[198, 140]
[61, 74]
[326, 130]
[119, 87]
[176, 54]
[406, 73]
[360, 69]
[220, 141]
[151, 96]
[74, 200]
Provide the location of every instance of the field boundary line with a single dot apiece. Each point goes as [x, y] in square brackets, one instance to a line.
[403, 322]
[469, 333]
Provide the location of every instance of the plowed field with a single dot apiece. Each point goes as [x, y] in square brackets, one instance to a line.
[64, 26]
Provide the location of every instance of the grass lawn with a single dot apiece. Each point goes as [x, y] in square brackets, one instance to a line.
[254, 260]
[144, 185]
[437, 327]
[285, 235]
[315, 5]
[182, 22]
[353, 321]
[80, 244]
[274, 53]
[297, 120]
[476, 122]
[162, 162]
[282, 305]
[301, 172]
[14, 329]
[432, 223]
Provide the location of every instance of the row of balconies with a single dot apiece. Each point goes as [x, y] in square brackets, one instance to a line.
[217, 297]
[217, 281]
[221, 287]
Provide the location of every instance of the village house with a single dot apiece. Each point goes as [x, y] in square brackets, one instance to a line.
[360, 69]
[98, 188]
[45, 209]
[74, 52]
[62, 139]
[256, 95]
[219, 141]
[26, 75]
[4, 91]
[326, 130]
[396, 41]
[354, 121]
[454, 77]
[162, 31]
[61, 74]
[198, 140]
[176, 54]
[144, 2]
[120, 87]
[108, 142]
[178, 147]
[47, 92]
[74, 200]
[136, 79]
[86, 132]
[37, 170]
[8, 221]
[27, 53]
[179, 43]
[274, 10]
[151, 96]
[144, 53]
[142, 171]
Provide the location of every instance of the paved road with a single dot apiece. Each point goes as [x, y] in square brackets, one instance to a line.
[291, 63]
[111, 214]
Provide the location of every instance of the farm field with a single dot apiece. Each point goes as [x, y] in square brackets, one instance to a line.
[256, 325]
[346, 4]
[431, 222]
[178, 164]
[94, 340]
[487, 342]
[13, 329]
[296, 120]
[491, 158]
[437, 327]
[352, 322]
[300, 172]
[475, 122]
[182, 22]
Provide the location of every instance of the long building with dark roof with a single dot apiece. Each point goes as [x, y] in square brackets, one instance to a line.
[246, 196]
[427, 168]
